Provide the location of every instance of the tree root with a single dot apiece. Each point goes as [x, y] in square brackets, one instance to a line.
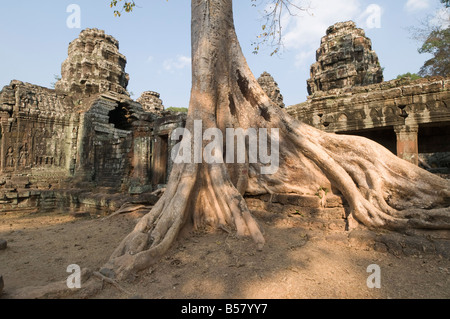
[222, 206]
[128, 208]
[112, 282]
[135, 206]
[381, 189]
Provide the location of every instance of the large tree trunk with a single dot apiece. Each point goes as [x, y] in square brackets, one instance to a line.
[381, 189]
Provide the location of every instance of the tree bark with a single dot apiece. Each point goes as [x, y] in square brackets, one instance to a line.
[381, 189]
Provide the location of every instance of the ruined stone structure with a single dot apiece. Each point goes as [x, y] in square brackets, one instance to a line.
[87, 133]
[408, 117]
[271, 88]
[151, 102]
[94, 65]
[345, 59]
[35, 124]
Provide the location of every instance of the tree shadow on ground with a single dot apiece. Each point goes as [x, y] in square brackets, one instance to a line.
[298, 262]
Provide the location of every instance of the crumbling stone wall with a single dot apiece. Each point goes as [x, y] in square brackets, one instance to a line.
[416, 112]
[103, 147]
[38, 127]
[388, 104]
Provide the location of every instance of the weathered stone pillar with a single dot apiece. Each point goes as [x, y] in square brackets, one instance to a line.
[407, 143]
[3, 120]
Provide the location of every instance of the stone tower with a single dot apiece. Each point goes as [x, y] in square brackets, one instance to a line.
[94, 65]
[345, 59]
[151, 102]
[271, 88]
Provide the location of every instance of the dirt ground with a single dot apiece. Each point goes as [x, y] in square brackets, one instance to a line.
[298, 262]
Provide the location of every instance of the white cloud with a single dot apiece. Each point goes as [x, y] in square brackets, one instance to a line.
[441, 18]
[304, 31]
[304, 58]
[179, 63]
[417, 5]
[150, 59]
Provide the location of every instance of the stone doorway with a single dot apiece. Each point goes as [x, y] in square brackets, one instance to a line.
[161, 160]
[434, 147]
[384, 136]
[121, 117]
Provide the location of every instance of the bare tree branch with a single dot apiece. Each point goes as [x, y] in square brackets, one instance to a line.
[272, 27]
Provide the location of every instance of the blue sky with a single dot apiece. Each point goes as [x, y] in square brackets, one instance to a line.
[156, 40]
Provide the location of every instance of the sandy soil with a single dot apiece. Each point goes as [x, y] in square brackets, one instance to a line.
[297, 262]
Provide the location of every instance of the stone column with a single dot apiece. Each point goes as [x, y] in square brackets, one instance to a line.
[407, 143]
[3, 129]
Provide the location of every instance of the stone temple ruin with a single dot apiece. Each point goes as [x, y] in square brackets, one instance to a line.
[87, 133]
[271, 88]
[348, 96]
[345, 59]
[86, 141]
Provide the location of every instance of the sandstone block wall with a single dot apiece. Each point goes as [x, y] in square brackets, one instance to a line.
[392, 103]
[38, 127]
[408, 117]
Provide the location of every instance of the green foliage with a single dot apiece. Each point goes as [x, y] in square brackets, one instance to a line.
[177, 109]
[409, 75]
[437, 44]
[446, 3]
[57, 78]
[322, 191]
[127, 6]
[297, 212]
